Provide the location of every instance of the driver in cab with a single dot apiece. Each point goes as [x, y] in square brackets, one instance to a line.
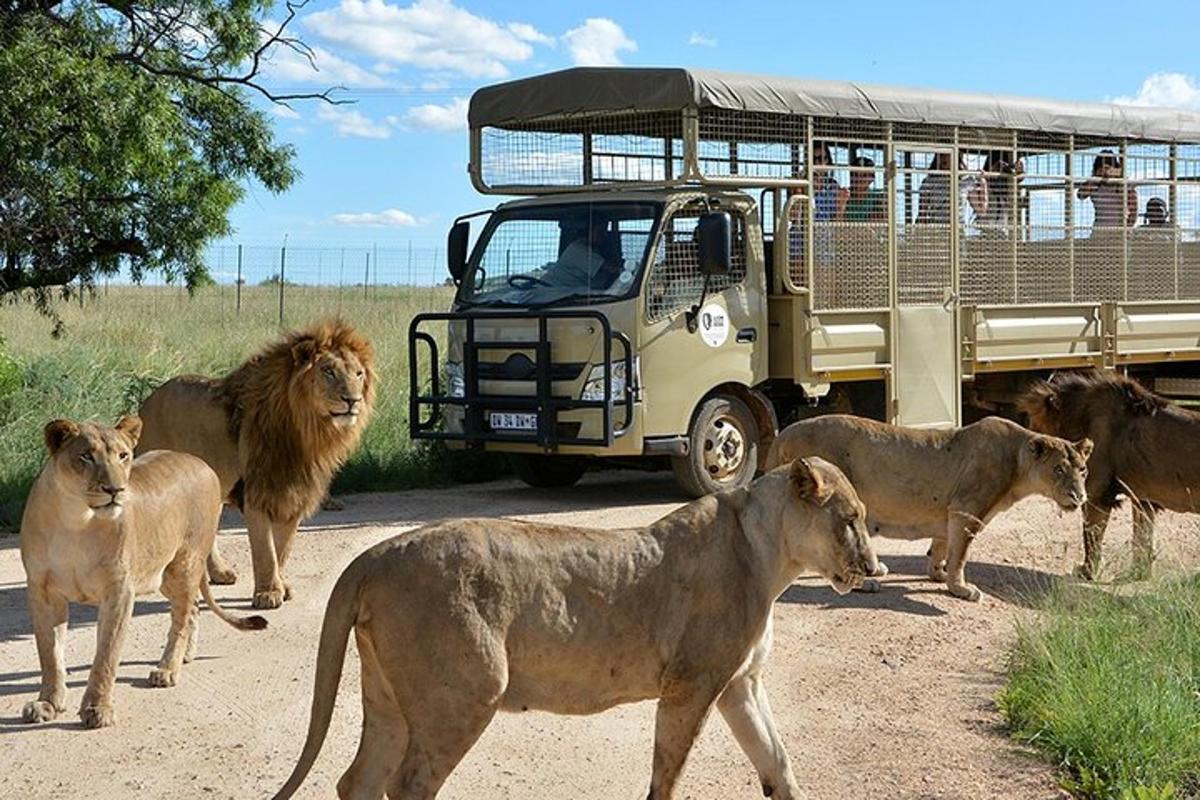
[585, 262]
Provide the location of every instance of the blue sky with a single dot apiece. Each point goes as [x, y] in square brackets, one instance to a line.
[391, 168]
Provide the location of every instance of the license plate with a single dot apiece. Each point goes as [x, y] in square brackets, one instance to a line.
[504, 421]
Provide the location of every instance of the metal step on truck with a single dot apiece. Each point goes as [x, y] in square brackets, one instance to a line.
[697, 258]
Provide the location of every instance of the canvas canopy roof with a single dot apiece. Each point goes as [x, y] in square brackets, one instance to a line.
[590, 90]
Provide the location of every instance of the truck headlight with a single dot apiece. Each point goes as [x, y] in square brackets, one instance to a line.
[456, 386]
[593, 388]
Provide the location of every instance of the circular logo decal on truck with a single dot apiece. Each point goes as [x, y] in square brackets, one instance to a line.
[714, 324]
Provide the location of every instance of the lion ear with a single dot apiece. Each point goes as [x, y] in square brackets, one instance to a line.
[1039, 446]
[131, 426]
[809, 483]
[1084, 446]
[303, 351]
[58, 432]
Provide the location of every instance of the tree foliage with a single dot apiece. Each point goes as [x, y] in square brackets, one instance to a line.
[127, 132]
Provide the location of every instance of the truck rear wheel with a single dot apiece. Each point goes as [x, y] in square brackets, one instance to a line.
[547, 472]
[722, 448]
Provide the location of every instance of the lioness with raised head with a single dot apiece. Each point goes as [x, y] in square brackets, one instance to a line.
[275, 430]
[945, 485]
[100, 527]
[460, 619]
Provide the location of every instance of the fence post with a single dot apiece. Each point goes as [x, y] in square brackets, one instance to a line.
[367, 276]
[282, 275]
[238, 285]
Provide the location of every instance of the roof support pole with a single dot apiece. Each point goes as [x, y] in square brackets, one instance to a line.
[691, 143]
[1069, 213]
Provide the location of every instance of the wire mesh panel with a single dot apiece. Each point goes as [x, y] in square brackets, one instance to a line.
[850, 226]
[754, 145]
[675, 281]
[1043, 251]
[1150, 242]
[924, 207]
[582, 150]
[1186, 218]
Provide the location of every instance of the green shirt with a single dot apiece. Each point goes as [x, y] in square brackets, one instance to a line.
[871, 207]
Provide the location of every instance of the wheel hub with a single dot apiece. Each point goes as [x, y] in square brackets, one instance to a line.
[724, 448]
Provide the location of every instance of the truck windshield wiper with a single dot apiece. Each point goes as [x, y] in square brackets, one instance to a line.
[574, 297]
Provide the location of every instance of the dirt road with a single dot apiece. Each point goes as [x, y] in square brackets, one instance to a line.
[888, 695]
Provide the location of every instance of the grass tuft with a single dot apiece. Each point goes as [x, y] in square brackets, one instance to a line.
[1109, 687]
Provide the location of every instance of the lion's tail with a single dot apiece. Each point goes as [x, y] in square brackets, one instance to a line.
[254, 623]
[340, 616]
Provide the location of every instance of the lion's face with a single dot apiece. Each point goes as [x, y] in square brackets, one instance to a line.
[336, 383]
[826, 525]
[93, 461]
[1057, 469]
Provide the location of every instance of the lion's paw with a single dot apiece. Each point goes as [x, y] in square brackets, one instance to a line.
[39, 711]
[881, 570]
[966, 592]
[267, 599]
[163, 678]
[287, 591]
[222, 576]
[97, 716]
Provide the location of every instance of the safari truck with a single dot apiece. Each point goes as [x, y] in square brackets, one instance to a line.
[697, 257]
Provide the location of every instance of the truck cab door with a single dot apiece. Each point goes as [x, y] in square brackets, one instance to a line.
[679, 367]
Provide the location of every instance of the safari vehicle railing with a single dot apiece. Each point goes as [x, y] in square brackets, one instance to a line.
[476, 427]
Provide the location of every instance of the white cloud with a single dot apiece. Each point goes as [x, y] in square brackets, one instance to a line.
[389, 218]
[1168, 89]
[597, 42]
[354, 123]
[284, 65]
[284, 112]
[700, 40]
[433, 117]
[527, 33]
[429, 34]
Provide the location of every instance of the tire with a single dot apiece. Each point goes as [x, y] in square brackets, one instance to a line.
[547, 472]
[722, 448]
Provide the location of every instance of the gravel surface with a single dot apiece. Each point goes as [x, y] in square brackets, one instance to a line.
[888, 695]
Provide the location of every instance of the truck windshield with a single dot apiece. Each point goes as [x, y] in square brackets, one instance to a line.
[577, 253]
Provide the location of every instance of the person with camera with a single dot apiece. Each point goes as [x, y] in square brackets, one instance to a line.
[1114, 204]
[998, 189]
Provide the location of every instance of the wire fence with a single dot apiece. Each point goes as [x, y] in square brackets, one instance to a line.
[254, 280]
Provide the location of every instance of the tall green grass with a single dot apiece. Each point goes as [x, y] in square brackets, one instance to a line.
[1109, 687]
[122, 343]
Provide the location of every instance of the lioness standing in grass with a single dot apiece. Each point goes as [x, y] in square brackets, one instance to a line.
[100, 527]
[460, 619]
[940, 484]
[275, 430]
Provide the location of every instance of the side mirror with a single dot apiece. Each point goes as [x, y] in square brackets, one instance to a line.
[715, 234]
[456, 250]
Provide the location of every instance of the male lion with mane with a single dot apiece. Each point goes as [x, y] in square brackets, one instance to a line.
[275, 430]
[100, 527]
[460, 619]
[1146, 447]
[945, 485]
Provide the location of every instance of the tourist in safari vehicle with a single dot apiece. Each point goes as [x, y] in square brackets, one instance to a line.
[697, 257]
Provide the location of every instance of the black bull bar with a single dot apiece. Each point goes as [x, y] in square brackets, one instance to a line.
[543, 403]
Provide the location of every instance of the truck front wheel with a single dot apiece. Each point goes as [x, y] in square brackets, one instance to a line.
[547, 472]
[722, 448]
